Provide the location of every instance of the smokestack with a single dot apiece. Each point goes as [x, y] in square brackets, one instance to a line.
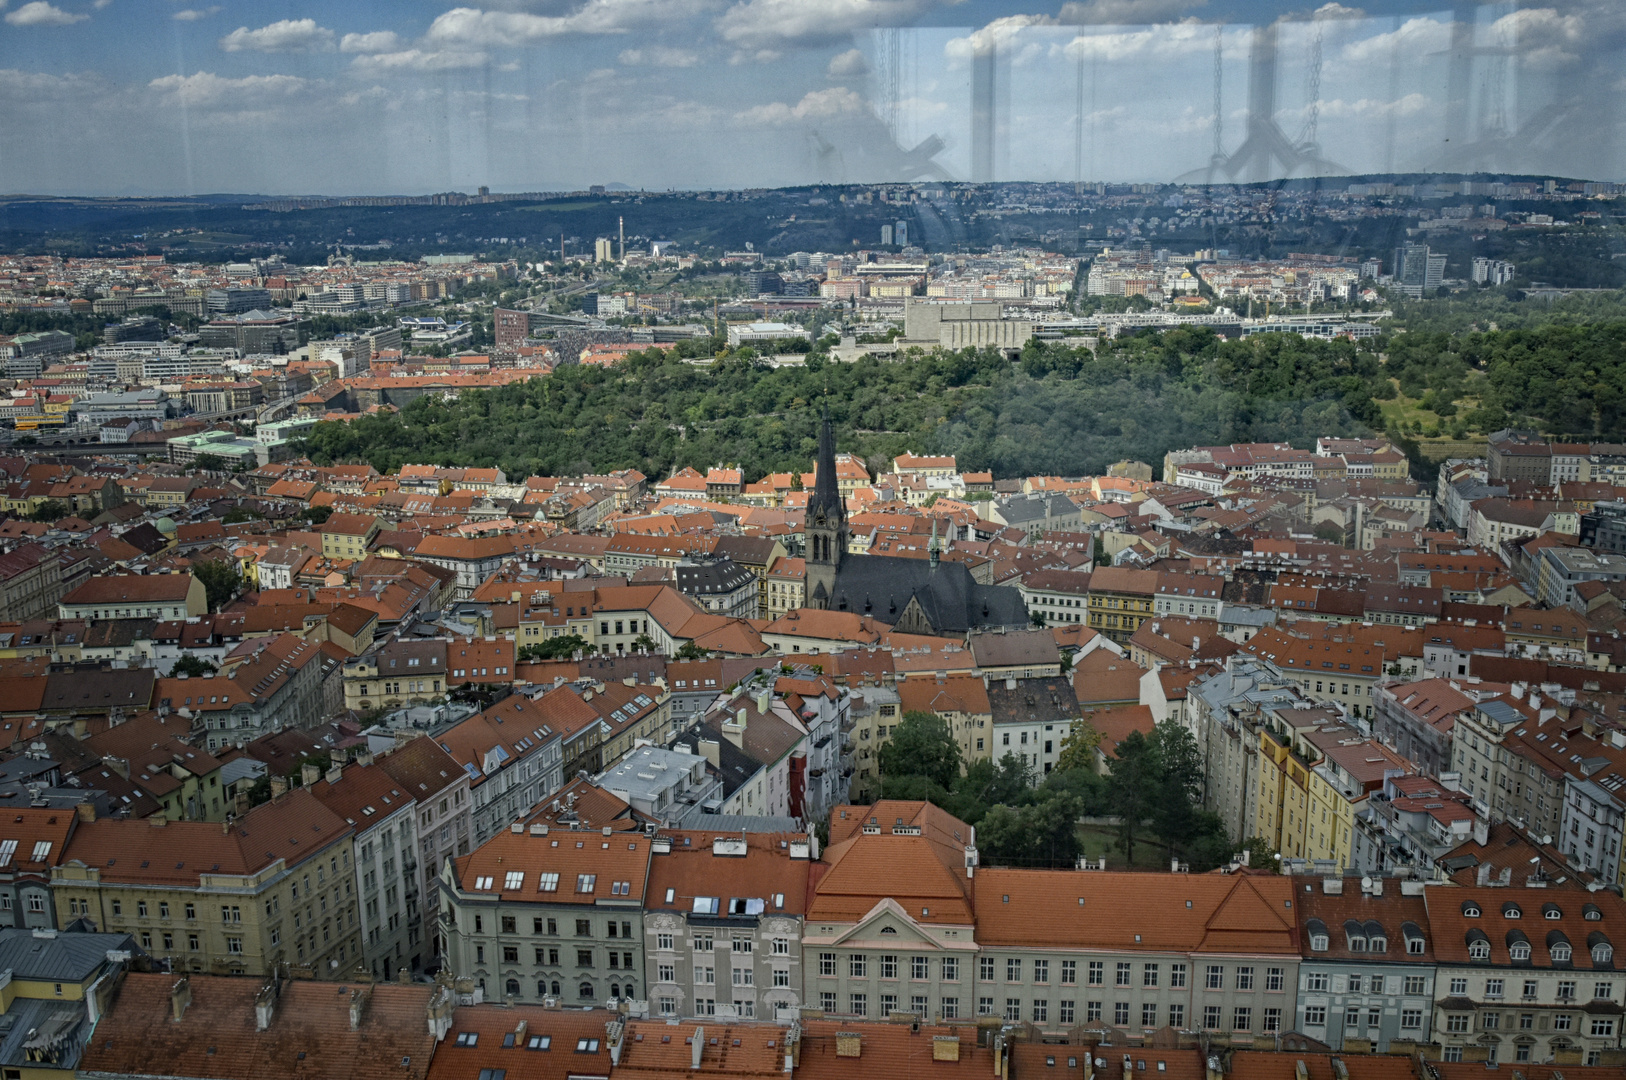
[621, 235]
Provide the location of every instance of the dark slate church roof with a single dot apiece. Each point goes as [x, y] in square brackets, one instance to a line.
[881, 586]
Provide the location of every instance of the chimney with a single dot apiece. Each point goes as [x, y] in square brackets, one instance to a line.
[335, 773]
[265, 1005]
[697, 1045]
[441, 1004]
[360, 998]
[309, 774]
[849, 1044]
[86, 811]
[279, 786]
[1482, 875]
[180, 996]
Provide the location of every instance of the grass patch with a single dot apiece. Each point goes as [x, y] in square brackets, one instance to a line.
[1101, 842]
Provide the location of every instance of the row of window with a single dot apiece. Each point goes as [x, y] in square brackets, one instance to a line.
[1462, 1023]
[1496, 988]
[1317, 981]
[890, 965]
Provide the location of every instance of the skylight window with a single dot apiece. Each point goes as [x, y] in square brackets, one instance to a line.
[547, 883]
[514, 880]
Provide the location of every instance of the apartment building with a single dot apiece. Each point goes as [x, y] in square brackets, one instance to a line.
[274, 887]
[549, 915]
[723, 924]
[1526, 976]
[385, 822]
[135, 596]
[1139, 951]
[513, 755]
[890, 925]
[440, 789]
[1366, 974]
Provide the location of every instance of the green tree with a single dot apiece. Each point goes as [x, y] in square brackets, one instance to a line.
[316, 515]
[48, 511]
[194, 666]
[1132, 789]
[922, 745]
[1078, 747]
[644, 642]
[559, 648]
[238, 514]
[1042, 834]
[1179, 781]
[690, 651]
[209, 463]
[221, 581]
[1262, 855]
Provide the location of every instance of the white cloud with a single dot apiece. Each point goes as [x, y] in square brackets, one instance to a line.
[1414, 37]
[472, 27]
[1165, 42]
[1545, 38]
[851, 62]
[379, 41]
[816, 105]
[659, 56]
[207, 88]
[287, 35]
[1123, 12]
[100, 5]
[41, 13]
[194, 14]
[419, 60]
[765, 23]
[1001, 32]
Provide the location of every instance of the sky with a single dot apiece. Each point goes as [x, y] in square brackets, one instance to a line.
[142, 97]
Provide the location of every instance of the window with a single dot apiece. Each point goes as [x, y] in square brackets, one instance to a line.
[1013, 1008]
[1120, 1013]
[1215, 977]
[1148, 975]
[547, 883]
[1451, 1053]
[1315, 1016]
[1563, 1022]
[1069, 972]
[858, 966]
[704, 976]
[1603, 1026]
[781, 977]
[951, 968]
[1273, 978]
[1092, 1011]
[1602, 991]
[985, 1006]
[1457, 1023]
[1013, 970]
[584, 958]
[949, 1007]
[1211, 1016]
[663, 942]
[1415, 984]
[584, 928]
[584, 882]
[1041, 1011]
[1244, 978]
[514, 879]
[1493, 988]
[781, 946]
[858, 1004]
[1097, 971]
[827, 966]
[1242, 1018]
[1177, 1015]
[1122, 975]
[889, 966]
[1064, 1014]
[1148, 1014]
[1273, 1019]
[827, 1001]
[1566, 990]
[1041, 971]
[1411, 1019]
[919, 968]
[1177, 976]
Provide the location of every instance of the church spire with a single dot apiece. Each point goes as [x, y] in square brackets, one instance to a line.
[825, 501]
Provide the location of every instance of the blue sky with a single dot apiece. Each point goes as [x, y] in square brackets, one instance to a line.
[160, 96]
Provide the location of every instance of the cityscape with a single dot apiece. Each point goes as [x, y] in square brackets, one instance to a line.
[812, 539]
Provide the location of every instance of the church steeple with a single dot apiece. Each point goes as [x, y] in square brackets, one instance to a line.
[825, 523]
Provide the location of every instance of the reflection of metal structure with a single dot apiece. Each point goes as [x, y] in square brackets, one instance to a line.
[877, 158]
[827, 160]
[1265, 148]
[990, 106]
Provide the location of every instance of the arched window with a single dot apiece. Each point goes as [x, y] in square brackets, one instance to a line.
[1470, 910]
[1519, 950]
[1602, 953]
[585, 991]
[512, 987]
[1561, 952]
[555, 990]
[541, 988]
[615, 991]
[1479, 950]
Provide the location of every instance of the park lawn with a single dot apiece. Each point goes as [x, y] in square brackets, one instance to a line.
[1101, 842]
